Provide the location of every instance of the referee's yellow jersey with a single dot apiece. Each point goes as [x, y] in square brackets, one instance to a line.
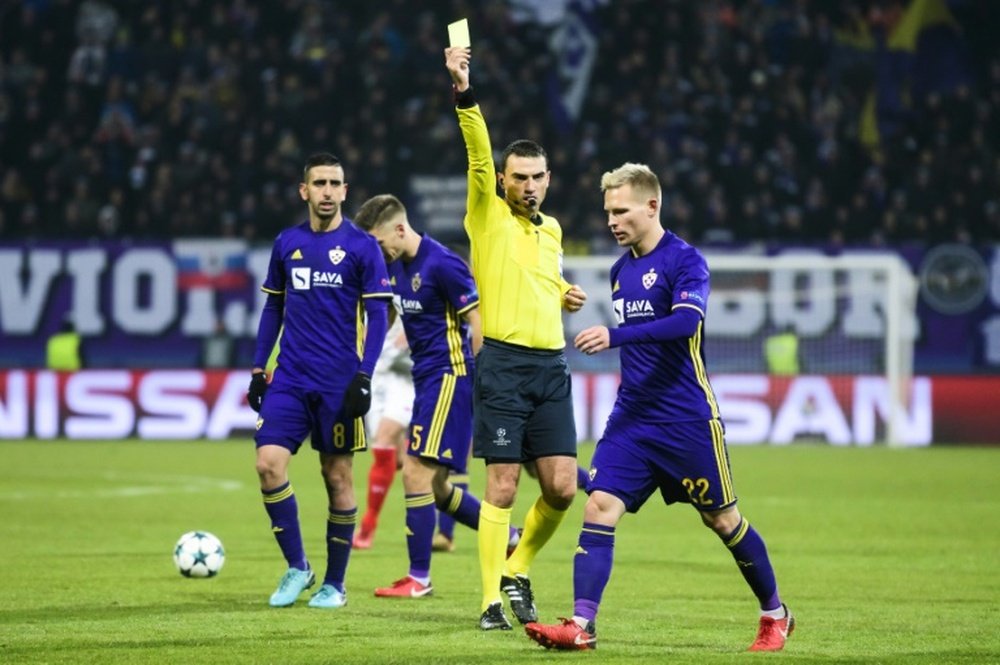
[517, 264]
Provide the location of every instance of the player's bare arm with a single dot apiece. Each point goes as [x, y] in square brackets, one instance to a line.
[593, 340]
[475, 330]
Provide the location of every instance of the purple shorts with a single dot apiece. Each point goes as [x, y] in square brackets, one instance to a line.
[686, 461]
[441, 427]
[289, 414]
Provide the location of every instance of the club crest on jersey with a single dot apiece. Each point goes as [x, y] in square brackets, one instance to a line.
[337, 255]
[649, 279]
[415, 282]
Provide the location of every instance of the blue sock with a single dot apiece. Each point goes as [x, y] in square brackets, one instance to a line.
[339, 535]
[582, 476]
[464, 507]
[419, 532]
[592, 568]
[750, 553]
[446, 523]
[283, 510]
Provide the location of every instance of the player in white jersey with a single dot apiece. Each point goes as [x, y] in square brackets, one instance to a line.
[387, 423]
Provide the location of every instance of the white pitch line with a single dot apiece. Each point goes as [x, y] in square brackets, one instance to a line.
[182, 485]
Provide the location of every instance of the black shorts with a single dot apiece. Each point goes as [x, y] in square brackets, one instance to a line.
[522, 404]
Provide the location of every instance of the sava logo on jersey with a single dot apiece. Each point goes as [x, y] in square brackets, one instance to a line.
[632, 309]
[411, 306]
[304, 279]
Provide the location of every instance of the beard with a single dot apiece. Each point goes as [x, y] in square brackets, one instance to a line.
[327, 216]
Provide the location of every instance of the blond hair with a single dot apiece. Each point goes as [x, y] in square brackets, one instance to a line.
[645, 184]
[377, 211]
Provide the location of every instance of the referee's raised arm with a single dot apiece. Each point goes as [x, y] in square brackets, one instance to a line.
[482, 173]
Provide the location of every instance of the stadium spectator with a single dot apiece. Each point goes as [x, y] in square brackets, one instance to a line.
[711, 91]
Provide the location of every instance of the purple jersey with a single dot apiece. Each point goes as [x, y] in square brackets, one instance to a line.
[664, 382]
[324, 277]
[432, 291]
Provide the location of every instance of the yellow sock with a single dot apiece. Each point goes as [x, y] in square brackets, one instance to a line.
[539, 525]
[494, 530]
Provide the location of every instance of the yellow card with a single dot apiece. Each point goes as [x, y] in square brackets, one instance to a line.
[458, 33]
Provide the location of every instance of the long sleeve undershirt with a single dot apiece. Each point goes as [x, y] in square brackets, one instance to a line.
[377, 310]
[682, 322]
[268, 328]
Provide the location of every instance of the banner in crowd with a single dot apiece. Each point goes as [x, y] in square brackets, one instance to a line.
[167, 305]
[194, 404]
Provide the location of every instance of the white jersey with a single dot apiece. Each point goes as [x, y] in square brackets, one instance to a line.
[392, 382]
[395, 355]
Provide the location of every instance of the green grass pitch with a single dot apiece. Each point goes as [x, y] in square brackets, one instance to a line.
[884, 556]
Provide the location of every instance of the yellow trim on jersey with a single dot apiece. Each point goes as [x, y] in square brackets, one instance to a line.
[694, 307]
[471, 306]
[458, 478]
[516, 263]
[722, 461]
[694, 347]
[420, 500]
[272, 291]
[377, 294]
[432, 446]
[359, 325]
[280, 496]
[452, 334]
[740, 532]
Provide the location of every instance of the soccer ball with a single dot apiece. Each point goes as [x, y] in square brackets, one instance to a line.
[199, 554]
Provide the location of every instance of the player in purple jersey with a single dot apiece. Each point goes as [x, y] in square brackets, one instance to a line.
[664, 432]
[436, 296]
[327, 285]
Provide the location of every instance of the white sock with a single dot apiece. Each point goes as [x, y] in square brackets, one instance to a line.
[423, 580]
[777, 613]
[581, 622]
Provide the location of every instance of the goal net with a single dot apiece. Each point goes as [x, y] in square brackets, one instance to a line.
[800, 346]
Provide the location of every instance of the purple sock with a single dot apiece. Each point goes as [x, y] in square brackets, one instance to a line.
[283, 510]
[464, 507]
[592, 568]
[420, 518]
[446, 523]
[339, 535]
[582, 476]
[751, 556]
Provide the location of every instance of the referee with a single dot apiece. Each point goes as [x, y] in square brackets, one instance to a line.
[522, 402]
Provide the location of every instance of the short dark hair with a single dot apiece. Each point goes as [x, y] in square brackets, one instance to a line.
[319, 159]
[522, 148]
[378, 210]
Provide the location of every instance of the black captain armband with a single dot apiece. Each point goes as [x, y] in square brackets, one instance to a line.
[465, 99]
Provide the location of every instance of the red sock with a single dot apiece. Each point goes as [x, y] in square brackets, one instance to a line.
[379, 480]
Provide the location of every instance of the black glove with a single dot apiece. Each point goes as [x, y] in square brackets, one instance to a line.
[255, 393]
[358, 398]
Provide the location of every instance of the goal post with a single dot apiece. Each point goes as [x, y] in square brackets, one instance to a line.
[851, 315]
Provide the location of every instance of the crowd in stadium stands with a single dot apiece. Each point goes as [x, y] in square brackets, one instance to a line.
[189, 118]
